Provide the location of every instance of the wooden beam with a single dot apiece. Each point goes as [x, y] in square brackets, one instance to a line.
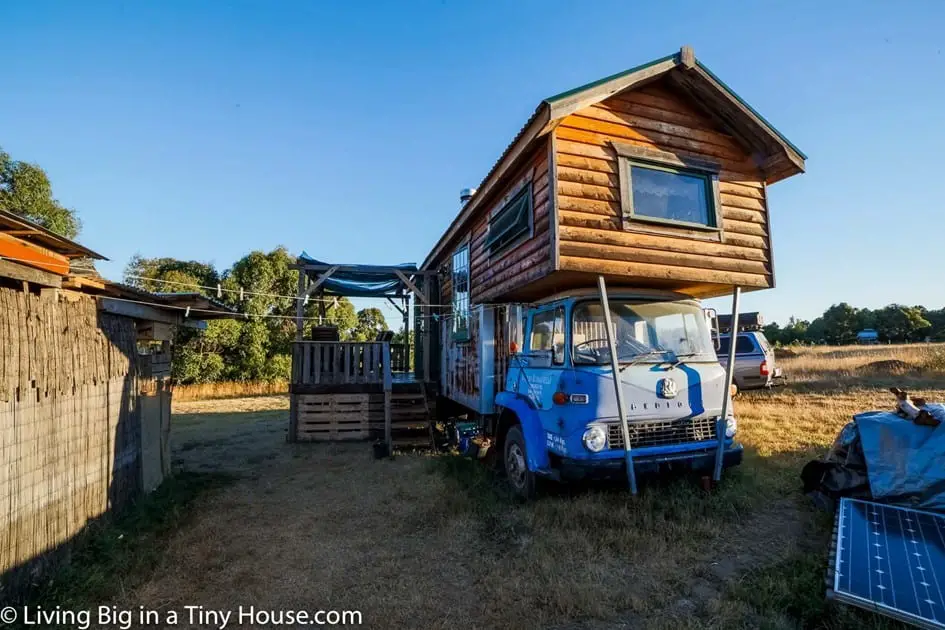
[26, 253]
[410, 285]
[145, 312]
[17, 271]
[83, 282]
[394, 304]
[320, 280]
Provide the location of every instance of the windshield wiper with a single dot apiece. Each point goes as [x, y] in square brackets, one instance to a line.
[636, 359]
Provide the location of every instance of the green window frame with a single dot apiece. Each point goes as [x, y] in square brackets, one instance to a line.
[707, 199]
[633, 158]
[513, 221]
[460, 300]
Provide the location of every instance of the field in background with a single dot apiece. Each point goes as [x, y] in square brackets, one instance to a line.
[228, 389]
[434, 541]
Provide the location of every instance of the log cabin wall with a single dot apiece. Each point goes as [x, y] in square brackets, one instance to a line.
[520, 263]
[593, 235]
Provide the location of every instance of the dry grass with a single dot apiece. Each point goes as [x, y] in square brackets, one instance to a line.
[229, 389]
[828, 367]
[422, 541]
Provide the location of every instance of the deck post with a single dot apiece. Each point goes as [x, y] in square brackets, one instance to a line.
[388, 386]
[615, 366]
[300, 305]
[407, 366]
[727, 392]
[293, 434]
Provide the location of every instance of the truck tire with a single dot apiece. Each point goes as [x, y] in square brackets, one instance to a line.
[515, 462]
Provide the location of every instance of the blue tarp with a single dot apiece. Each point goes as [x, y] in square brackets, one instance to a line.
[905, 462]
[361, 280]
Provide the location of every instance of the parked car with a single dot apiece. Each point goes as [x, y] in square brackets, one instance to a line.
[754, 360]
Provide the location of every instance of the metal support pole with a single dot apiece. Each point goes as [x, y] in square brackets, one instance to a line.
[615, 365]
[727, 392]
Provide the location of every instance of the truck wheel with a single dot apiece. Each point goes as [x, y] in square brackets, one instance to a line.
[521, 479]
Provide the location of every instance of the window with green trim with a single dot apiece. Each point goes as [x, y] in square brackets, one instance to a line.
[460, 302]
[512, 222]
[671, 195]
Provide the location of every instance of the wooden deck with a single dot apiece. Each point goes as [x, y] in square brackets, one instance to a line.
[348, 391]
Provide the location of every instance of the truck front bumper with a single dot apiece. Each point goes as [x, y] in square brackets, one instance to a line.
[692, 460]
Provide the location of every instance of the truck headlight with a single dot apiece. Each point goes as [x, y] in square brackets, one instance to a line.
[595, 439]
[731, 427]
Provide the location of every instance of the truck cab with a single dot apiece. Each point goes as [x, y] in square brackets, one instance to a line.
[558, 415]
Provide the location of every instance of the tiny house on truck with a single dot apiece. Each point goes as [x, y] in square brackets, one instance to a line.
[644, 191]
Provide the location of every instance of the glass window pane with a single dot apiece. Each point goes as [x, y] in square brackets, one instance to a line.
[460, 300]
[679, 328]
[542, 331]
[666, 195]
[744, 345]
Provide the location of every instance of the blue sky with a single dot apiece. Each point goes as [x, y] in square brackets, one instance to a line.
[204, 130]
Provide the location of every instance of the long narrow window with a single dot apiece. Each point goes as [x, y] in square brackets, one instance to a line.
[512, 222]
[461, 293]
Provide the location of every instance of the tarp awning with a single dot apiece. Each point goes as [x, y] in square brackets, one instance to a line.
[359, 280]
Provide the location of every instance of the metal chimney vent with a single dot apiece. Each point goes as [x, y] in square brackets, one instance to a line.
[466, 194]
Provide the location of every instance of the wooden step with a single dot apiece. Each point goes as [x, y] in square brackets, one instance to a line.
[412, 441]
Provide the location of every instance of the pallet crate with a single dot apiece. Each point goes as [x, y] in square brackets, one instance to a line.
[334, 417]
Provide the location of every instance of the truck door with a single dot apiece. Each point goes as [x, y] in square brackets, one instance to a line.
[545, 358]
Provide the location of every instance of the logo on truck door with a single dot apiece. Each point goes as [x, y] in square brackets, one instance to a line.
[667, 388]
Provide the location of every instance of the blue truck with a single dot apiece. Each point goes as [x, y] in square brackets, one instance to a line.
[556, 414]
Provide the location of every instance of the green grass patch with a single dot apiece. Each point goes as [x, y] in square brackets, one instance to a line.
[112, 556]
[794, 591]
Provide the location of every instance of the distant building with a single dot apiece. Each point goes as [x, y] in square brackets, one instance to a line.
[867, 336]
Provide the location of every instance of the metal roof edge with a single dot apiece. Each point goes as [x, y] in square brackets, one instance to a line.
[619, 75]
[745, 103]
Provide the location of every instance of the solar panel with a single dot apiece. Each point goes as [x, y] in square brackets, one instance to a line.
[891, 560]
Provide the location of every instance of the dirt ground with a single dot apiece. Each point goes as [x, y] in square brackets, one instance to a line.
[431, 541]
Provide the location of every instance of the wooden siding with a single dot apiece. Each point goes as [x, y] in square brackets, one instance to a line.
[502, 274]
[592, 235]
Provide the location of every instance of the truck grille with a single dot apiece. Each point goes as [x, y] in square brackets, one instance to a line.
[660, 432]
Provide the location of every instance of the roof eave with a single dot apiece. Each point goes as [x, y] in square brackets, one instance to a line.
[70, 248]
[538, 125]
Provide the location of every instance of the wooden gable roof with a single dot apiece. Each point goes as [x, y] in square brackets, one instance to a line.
[775, 155]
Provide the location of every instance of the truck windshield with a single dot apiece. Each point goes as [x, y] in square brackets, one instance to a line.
[643, 331]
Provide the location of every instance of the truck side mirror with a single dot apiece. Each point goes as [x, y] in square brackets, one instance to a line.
[712, 318]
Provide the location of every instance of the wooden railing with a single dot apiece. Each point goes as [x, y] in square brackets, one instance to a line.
[341, 363]
[399, 362]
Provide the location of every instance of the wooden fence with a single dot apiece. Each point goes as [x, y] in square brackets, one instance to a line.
[70, 426]
[340, 363]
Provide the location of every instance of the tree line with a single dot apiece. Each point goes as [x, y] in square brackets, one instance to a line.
[840, 323]
[256, 347]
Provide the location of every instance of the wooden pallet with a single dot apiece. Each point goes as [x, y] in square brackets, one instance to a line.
[335, 417]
